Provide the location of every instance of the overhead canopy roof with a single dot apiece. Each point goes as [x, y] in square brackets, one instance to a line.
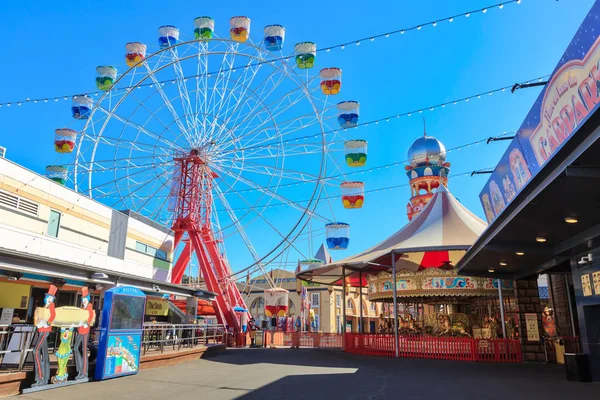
[14, 261]
[566, 186]
[549, 172]
[436, 238]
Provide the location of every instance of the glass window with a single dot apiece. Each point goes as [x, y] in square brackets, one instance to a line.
[314, 299]
[161, 254]
[140, 247]
[338, 300]
[350, 305]
[151, 251]
[53, 223]
[127, 312]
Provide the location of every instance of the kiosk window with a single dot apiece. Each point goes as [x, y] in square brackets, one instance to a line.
[127, 312]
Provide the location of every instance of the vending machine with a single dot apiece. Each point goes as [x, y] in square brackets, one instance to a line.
[120, 343]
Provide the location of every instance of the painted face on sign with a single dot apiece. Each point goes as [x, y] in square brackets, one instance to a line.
[48, 300]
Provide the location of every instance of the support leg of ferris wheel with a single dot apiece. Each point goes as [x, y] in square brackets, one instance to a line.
[192, 215]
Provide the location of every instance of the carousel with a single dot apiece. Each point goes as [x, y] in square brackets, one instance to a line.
[417, 263]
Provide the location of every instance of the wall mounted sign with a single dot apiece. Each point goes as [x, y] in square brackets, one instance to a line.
[532, 327]
[570, 97]
[586, 285]
[596, 279]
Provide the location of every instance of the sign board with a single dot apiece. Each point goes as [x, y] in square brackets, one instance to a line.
[532, 327]
[119, 348]
[14, 295]
[7, 315]
[483, 344]
[258, 338]
[158, 307]
[569, 98]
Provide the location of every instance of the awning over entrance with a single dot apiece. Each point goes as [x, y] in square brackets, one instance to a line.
[436, 238]
[531, 235]
[542, 198]
[24, 263]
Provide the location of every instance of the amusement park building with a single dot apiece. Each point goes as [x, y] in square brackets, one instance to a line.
[542, 201]
[325, 301]
[52, 234]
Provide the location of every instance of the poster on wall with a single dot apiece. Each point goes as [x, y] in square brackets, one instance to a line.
[532, 327]
[586, 285]
[596, 280]
[571, 95]
[122, 355]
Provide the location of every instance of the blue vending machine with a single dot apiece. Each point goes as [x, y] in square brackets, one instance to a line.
[120, 342]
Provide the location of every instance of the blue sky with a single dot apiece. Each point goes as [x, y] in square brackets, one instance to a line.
[52, 48]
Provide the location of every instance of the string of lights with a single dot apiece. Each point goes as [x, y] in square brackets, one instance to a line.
[432, 23]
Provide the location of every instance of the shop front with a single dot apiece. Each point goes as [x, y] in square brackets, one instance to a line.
[542, 204]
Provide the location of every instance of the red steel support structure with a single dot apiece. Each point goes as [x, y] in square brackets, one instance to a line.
[192, 201]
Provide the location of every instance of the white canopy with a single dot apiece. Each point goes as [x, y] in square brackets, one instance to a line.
[437, 237]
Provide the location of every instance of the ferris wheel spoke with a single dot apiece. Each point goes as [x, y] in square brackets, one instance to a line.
[272, 194]
[201, 76]
[132, 144]
[156, 182]
[221, 83]
[126, 176]
[186, 104]
[238, 226]
[167, 101]
[140, 128]
[261, 108]
[275, 171]
[269, 152]
[281, 106]
[258, 92]
[238, 93]
[261, 216]
[261, 128]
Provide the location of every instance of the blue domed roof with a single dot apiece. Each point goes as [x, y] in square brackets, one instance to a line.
[426, 150]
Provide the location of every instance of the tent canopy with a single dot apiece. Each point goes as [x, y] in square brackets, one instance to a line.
[438, 237]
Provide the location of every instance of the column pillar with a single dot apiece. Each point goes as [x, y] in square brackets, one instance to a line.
[343, 300]
[528, 303]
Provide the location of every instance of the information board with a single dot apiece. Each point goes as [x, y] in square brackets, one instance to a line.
[120, 342]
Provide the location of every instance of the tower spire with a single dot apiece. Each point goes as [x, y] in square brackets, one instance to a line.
[424, 127]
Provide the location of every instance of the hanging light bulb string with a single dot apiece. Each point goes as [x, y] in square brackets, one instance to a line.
[389, 118]
[342, 46]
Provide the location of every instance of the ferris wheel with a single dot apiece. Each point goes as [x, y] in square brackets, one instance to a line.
[231, 142]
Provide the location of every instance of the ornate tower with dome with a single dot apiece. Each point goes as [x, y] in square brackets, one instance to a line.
[427, 169]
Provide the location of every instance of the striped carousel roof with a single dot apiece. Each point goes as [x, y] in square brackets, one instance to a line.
[438, 237]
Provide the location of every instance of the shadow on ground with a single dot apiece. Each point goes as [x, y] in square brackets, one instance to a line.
[389, 378]
[315, 374]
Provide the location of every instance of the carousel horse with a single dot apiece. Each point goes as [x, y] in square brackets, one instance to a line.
[407, 324]
[491, 323]
[446, 328]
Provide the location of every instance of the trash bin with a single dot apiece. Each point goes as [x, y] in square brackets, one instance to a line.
[559, 350]
[577, 367]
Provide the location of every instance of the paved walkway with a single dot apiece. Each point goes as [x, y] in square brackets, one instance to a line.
[312, 374]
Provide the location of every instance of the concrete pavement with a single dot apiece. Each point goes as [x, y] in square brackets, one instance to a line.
[313, 374]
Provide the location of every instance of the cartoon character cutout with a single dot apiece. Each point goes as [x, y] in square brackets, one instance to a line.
[519, 169]
[487, 207]
[497, 199]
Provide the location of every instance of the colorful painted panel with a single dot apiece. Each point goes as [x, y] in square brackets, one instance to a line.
[449, 283]
[570, 97]
[122, 355]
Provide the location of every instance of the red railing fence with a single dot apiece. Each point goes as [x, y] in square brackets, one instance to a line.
[440, 348]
